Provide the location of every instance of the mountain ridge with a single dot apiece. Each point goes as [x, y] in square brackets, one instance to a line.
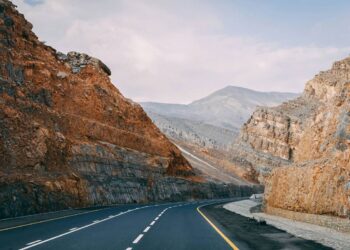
[229, 107]
[208, 127]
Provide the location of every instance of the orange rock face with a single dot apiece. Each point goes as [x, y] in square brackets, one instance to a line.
[301, 149]
[319, 181]
[69, 138]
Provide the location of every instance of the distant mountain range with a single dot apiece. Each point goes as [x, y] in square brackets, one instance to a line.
[212, 121]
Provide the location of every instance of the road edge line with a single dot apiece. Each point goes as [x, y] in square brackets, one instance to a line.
[228, 241]
[53, 219]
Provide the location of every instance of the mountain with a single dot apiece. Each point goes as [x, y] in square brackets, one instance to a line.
[194, 132]
[206, 128]
[69, 138]
[227, 108]
[300, 149]
[212, 121]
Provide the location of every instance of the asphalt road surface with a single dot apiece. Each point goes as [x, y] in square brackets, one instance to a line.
[185, 225]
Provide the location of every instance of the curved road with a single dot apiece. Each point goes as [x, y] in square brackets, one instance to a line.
[127, 227]
[162, 226]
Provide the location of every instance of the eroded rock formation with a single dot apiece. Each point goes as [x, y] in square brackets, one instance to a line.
[68, 137]
[301, 149]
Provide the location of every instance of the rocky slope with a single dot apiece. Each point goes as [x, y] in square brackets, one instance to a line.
[301, 149]
[68, 138]
[207, 127]
[214, 120]
[194, 132]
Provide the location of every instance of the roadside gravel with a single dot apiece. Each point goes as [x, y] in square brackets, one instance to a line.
[326, 236]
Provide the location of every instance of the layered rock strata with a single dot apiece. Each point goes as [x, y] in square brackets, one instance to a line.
[301, 149]
[68, 137]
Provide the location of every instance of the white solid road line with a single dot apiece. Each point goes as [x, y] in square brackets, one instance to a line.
[146, 229]
[137, 239]
[74, 228]
[72, 231]
[33, 242]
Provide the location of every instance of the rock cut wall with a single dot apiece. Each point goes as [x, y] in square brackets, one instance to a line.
[300, 149]
[69, 138]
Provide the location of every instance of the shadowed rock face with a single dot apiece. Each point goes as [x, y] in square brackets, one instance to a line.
[301, 149]
[68, 138]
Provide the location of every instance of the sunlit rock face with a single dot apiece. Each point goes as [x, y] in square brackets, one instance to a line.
[301, 149]
[68, 137]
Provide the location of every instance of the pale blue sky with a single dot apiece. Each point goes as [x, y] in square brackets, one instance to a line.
[179, 51]
[289, 23]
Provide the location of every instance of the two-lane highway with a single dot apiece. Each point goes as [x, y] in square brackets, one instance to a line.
[160, 226]
[184, 225]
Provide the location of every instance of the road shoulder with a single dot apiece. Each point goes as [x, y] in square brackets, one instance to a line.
[251, 234]
[323, 235]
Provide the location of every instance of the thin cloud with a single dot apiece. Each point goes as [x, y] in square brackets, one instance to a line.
[159, 52]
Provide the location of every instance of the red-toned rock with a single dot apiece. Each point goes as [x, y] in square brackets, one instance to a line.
[301, 149]
[69, 138]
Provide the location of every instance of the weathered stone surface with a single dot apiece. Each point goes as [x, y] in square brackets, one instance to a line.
[77, 61]
[300, 149]
[73, 140]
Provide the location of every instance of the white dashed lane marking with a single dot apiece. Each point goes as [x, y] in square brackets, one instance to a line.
[75, 229]
[138, 238]
[149, 227]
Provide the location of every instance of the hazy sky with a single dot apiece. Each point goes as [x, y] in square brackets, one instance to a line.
[181, 50]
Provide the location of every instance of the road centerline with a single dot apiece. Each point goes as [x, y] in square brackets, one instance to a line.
[138, 238]
[95, 222]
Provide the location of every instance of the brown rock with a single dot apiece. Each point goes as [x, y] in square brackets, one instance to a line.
[301, 149]
[69, 138]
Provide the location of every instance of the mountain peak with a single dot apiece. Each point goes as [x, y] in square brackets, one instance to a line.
[226, 108]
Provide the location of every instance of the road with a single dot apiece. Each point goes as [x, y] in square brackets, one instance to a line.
[127, 227]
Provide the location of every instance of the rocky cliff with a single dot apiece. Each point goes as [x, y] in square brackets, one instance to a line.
[207, 127]
[301, 149]
[68, 137]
